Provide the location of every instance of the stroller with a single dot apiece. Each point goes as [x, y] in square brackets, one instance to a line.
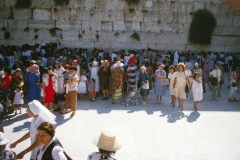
[6, 106]
[131, 97]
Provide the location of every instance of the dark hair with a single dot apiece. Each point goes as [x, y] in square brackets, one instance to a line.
[109, 153]
[171, 67]
[50, 68]
[7, 70]
[19, 87]
[48, 128]
[93, 80]
[195, 74]
[73, 68]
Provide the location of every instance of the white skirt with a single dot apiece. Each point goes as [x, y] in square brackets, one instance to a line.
[197, 96]
[82, 87]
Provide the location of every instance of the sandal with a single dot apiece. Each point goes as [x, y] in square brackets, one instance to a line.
[72, 114]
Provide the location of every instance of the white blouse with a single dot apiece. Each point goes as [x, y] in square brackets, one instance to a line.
[57, 152]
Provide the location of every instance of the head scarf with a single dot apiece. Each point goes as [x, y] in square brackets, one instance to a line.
[38, 109]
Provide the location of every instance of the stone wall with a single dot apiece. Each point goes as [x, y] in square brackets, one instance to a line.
[161, 24]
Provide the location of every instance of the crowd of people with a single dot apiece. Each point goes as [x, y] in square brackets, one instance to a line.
[58, 77]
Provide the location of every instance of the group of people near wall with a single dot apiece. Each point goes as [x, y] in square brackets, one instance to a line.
[58, 76]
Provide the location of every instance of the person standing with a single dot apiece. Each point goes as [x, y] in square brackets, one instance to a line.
[197, 89]
[49, 87]
[117, 79]
[181, 82]
[94, 75]
[144, 82]
[105, 76]
[39, 114]
[215, 85]
[159, 89]
[82, 86]
[71, 100]
[171, 77]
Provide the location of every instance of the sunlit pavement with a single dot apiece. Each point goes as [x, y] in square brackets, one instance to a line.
[149, 132]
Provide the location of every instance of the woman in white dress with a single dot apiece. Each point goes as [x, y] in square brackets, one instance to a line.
[94, 75]
[82, 85]
[59, 71]
[197, 89]
[179, 85]
[18, 99]
[171, 77]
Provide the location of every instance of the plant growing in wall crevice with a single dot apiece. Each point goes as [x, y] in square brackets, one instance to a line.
[23, 4]
[53, 31]
[61, 2]
[132, 2]
[7, 35]
[136, 36]
[202, 27]
[26, 29]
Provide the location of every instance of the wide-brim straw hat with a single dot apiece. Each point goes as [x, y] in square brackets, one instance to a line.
[162, 65]
[107, 141]
[181, 64]
[118, 64]
[105, 62]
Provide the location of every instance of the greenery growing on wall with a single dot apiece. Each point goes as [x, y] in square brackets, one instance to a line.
[53, 31]
[133, 2]
[23, 4]
[61, 2]
[136, 36]
[7, 35]
[202, 27]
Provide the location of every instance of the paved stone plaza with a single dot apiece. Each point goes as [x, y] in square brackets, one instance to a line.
[150, 132]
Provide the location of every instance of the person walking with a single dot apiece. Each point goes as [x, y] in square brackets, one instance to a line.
[171, 77]
[39, 114]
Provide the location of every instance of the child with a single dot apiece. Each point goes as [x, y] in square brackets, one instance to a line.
[197, 89]
[171, 77]
[233, 87]
[18, 99]
[82, 86]
[5, 152]
[91, 88]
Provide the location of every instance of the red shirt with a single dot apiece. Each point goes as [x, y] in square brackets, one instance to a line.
[7, 81]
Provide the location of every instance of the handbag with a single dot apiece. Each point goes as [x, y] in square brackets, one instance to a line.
[164, 81]
[118, 93]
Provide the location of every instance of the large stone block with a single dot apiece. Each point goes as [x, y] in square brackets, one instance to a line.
[107, 26]
[223, 30]
[42, 14]
[42, 3]
[41, 24]
[104, 45]
[77, 4]
[9, 3]
[86, 26]
[236, 31]
[151, 27]
[69, 25]
[4, 13]
[12, 24]
[118, 16]
[107, 16]
[236, 21]
[186, 8]
[66, 14]
[2, 4]
[229, 41]
[23, 14]
[224, 20]
[112, 5]
[119, 26]
[89, 4]
[3, 23]
[84, 44]
[232, 49]
[21, 35]
[70, 35]
[175, 6]
[22, 24]
[83, 15]
[96, 25]
[198, 6]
